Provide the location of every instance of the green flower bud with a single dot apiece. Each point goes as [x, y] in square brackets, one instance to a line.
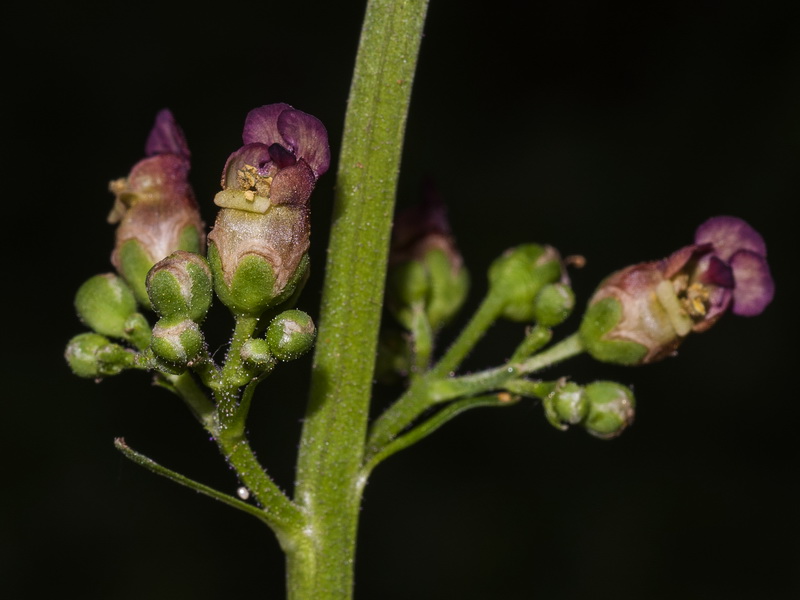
[425, 266]
[291, 334]
[570, 403]
[519, 274]
[611, 409]
[553, 304]
[93, 355]
[177, 342]
[105, 303]
[256, 352]
[181, 286]
[258, 260]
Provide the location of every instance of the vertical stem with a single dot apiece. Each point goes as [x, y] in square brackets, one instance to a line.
[332, 444]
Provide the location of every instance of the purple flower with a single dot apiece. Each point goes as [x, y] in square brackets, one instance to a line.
[285, 151]
[643, 312]
[155, 206]
[258, 249]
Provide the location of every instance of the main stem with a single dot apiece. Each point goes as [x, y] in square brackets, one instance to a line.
[328, 486]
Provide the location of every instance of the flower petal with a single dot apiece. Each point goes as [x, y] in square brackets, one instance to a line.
[755, 287]
[261, 124]
[307, 137]
[256, 155]
[166, 137]
[728, 235]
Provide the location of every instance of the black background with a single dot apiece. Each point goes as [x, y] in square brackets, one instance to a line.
[608, 129]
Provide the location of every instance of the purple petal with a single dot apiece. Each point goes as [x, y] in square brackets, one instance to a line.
[755, 287]
[678, 259]
[261, 124]
[730, 234]
[256, 155]
[281, 156]
[166, 137]
[715, 271]
[307, 137]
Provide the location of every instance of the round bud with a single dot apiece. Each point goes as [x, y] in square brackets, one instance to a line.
[611, 409]
[570, 403]
[553, 304]
[256, 352]
[176, 341]
[93, 355]
[104, 303]
[518, 275]
[181, 286]
[291, 334]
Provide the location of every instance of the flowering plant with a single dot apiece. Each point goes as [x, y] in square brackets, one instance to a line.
[150, 314]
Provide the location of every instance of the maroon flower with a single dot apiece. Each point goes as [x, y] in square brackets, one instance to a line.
[263, 227]
[643, 312]
[285, 151]
[155, 206]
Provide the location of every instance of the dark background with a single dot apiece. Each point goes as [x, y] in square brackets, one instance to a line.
[608, 129]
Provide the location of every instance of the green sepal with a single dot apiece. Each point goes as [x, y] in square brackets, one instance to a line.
[291, 334]
[93, 355]
[599, 319]
[104, 303]
[611, 409]
[251, 290]
[256, 353]
[137, 330]
[448, 288]
[134, 263]
[517, 276]
[176, 342]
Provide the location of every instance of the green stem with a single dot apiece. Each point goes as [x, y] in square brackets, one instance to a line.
[426, 428]
[426, 392]
[487, 313]
[332, 444]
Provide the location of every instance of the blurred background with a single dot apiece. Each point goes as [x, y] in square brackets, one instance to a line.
[607, 129]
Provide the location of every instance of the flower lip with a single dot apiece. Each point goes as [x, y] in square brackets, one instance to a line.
[299, 135]
[738, 263]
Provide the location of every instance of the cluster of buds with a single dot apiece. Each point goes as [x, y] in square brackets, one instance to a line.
[642, 313]
[532, 283]
[603, 408]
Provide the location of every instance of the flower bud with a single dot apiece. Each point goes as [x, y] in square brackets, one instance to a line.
[155, 207]
[425, 266]
[611, 409]
[93, 355]
[180, 286]
[569, 403]
[176, 342]
[519, 274]
[256, 353]
[553, 304]
[291, 334]
[105, 303]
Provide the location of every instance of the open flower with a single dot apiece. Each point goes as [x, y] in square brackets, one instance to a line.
[642, 313]
[155, 207]
[285, 151]
[258, 248]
